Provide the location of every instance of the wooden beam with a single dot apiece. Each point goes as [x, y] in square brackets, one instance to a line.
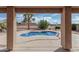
[75, 10]
[3, 10]
[10, 27]
[53, 9]
[38, 10]
[66, 40]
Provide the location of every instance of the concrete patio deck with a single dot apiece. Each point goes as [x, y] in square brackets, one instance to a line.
[51, 45]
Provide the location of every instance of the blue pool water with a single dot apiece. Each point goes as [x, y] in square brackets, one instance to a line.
[46, 33]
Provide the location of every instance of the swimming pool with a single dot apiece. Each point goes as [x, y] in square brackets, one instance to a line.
[45, 33]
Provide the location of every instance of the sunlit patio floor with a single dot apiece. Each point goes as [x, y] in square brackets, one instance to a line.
[37, 45]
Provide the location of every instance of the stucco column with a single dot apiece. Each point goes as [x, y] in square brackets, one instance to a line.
[10, 27]
[66, 41]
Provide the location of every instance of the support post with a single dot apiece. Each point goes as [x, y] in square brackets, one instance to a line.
[10, 27]
[66, 30]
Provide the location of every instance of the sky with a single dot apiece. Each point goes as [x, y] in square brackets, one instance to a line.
[53, 18]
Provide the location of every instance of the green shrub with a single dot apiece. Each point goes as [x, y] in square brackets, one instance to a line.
[57, 27]
[43, 24]
[3, 25]
[73, 26]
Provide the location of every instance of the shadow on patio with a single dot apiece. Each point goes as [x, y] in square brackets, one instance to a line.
[61, 50]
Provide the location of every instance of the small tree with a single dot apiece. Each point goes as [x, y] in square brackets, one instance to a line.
[27, 18]
[43, 24]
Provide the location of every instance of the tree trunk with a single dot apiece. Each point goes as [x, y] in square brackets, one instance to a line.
[28, 24]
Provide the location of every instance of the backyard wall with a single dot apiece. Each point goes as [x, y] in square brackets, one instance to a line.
[32, 26]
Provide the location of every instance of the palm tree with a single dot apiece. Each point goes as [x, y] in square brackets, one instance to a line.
[27, 19]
